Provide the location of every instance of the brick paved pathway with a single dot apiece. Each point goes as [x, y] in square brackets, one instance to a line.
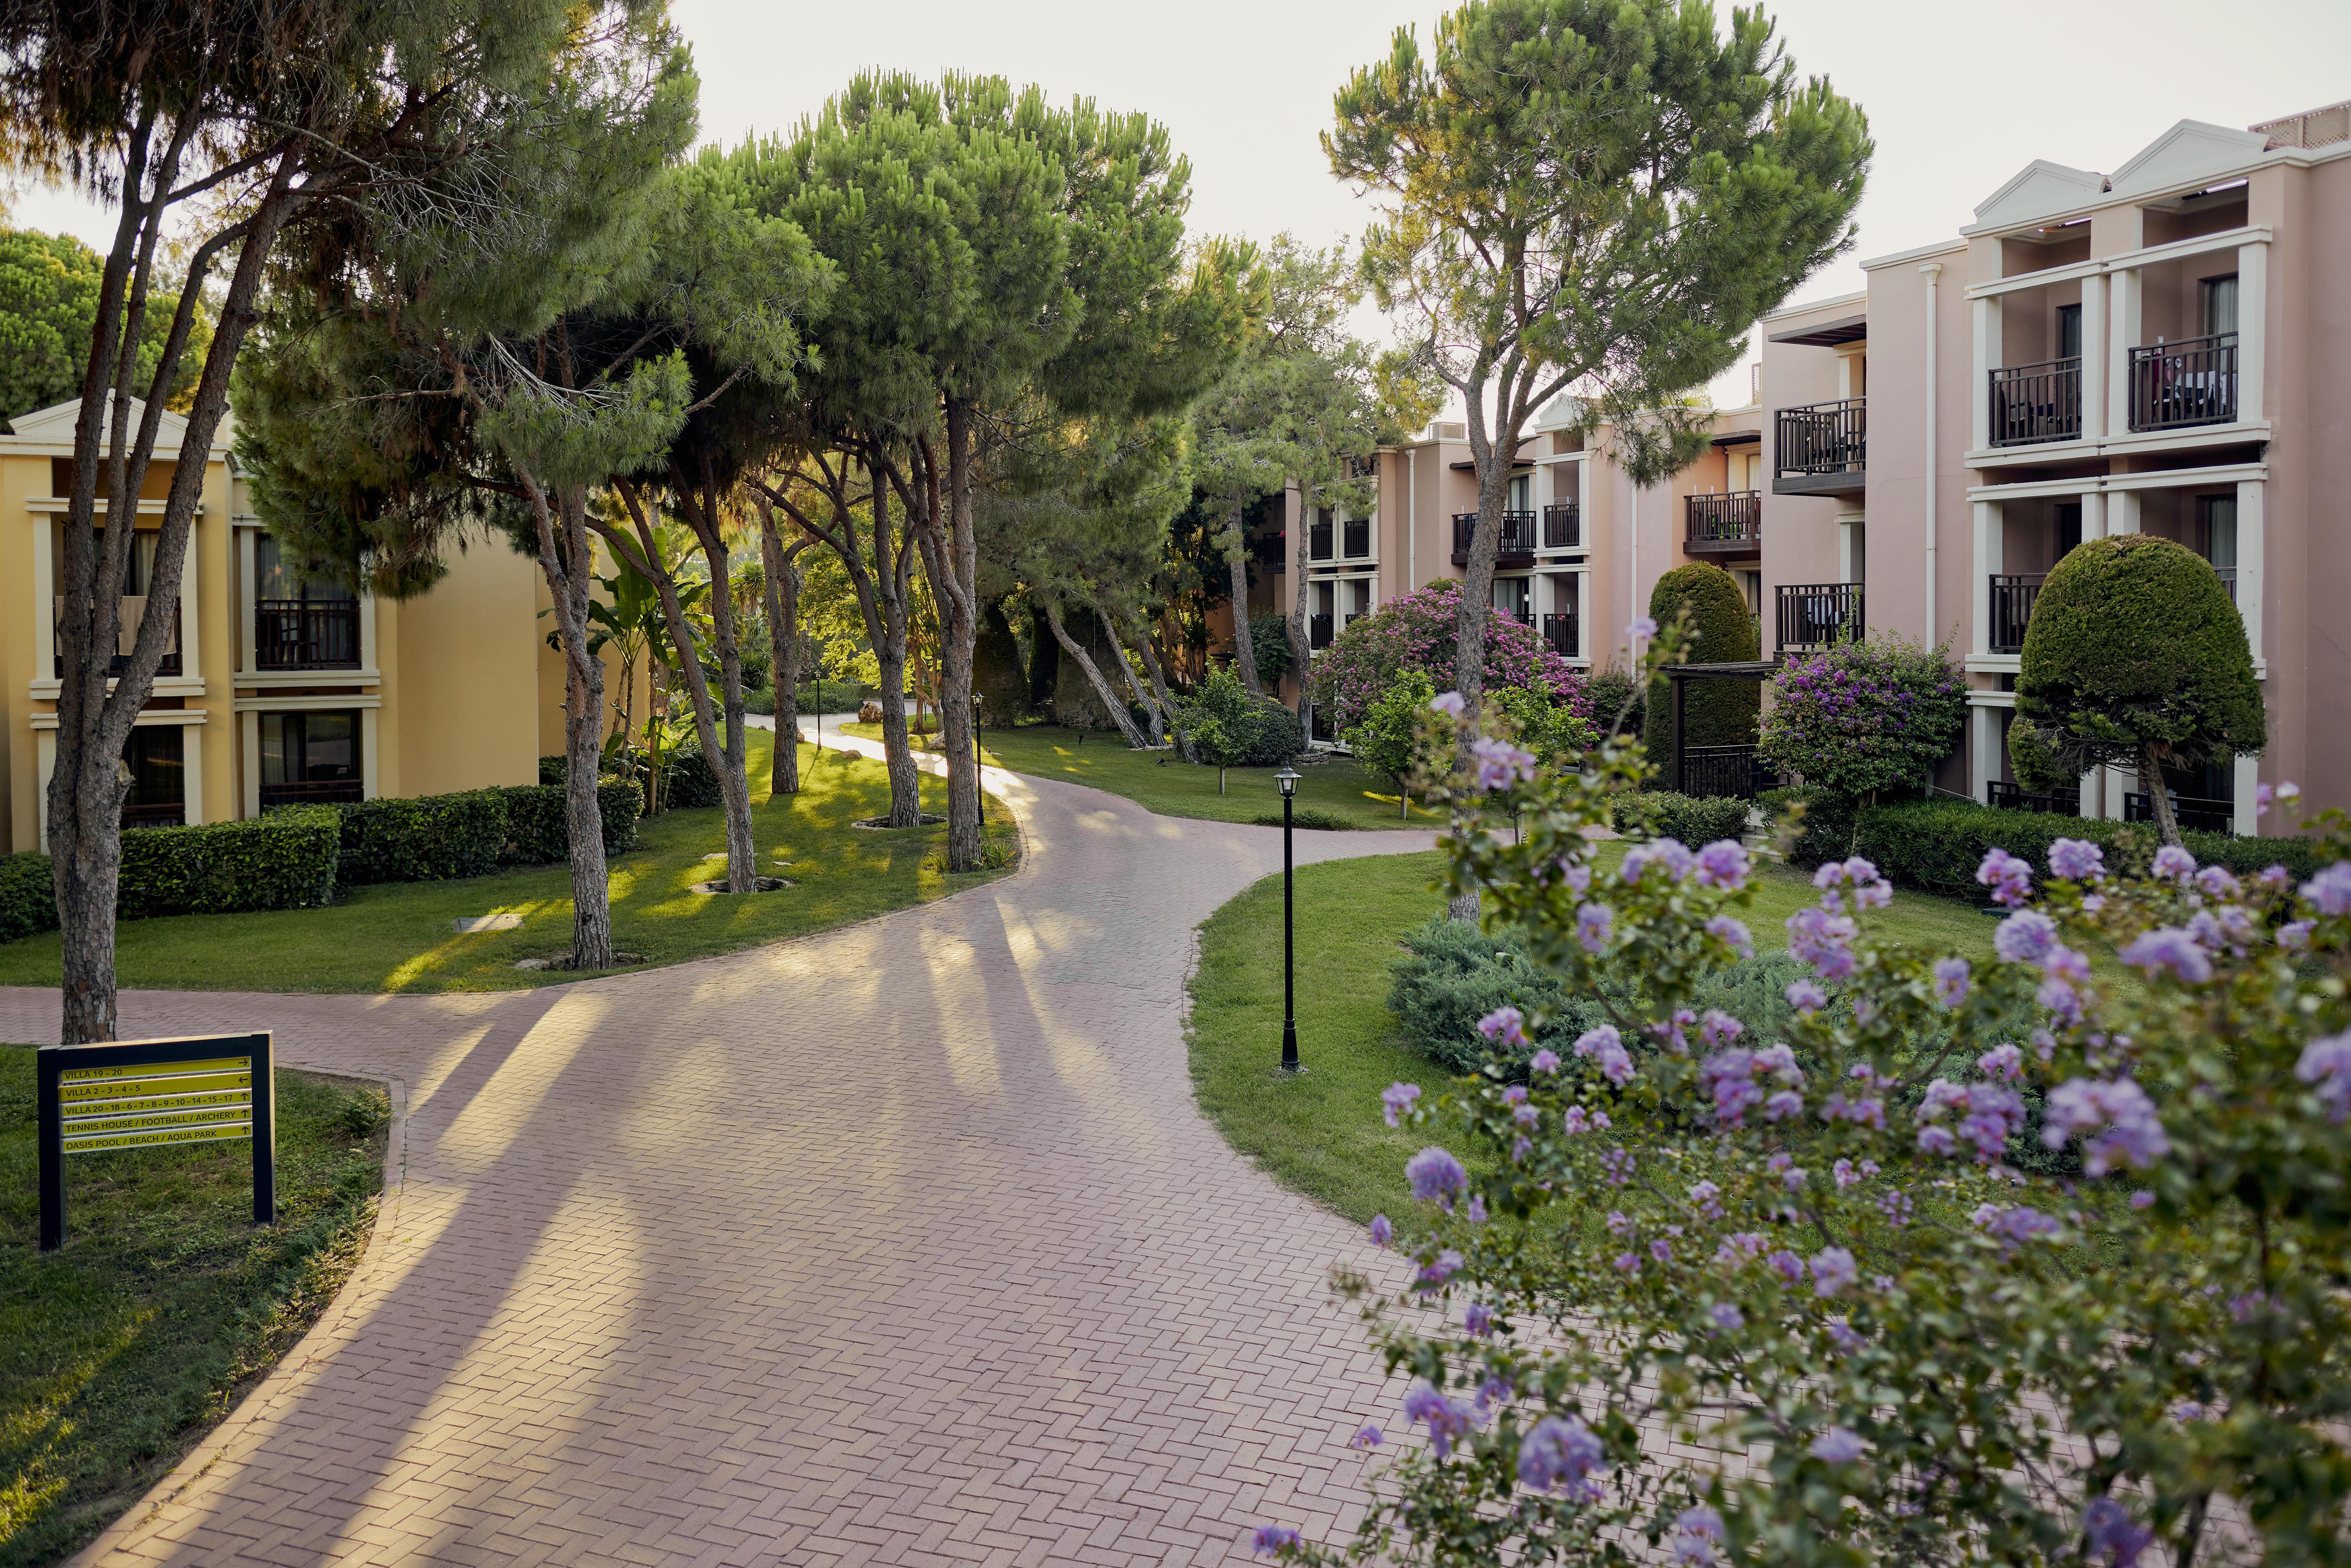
[901, 1244]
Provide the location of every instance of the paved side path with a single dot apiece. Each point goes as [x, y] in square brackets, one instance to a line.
[901, 1244]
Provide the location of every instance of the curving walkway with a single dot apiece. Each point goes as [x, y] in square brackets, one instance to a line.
[904, 1244]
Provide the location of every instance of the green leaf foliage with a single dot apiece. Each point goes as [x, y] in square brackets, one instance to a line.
[49, 306]
[1937, 845]
[1863, 717]
[283, 859]
[1233, 730]
[1394, 735]
[2134, 649]
[28, 899]
[1693, 820]
[431, 838]
[1714, 713]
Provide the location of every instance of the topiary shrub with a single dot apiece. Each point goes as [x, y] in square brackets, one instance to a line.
[1863, 717]
[428, 838]
[1824, 833]
[1607, 693]
[1419, 631]
[28, 897]
[284, 859]
[1714, 713]
[1694, 819]
[2134, 656]
[1275, 735]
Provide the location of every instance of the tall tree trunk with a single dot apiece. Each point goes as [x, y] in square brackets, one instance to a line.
[1494, 458]
[1237, 569]
[1175, 715]
[783, 603]
[1301, 653]
[87, 785]
[2159, 795]
[1144, 698]
[1094, 673]
[890, 580]
[570, 580]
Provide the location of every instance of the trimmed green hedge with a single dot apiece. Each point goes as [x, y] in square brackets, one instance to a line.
[1694, 819]
[28, 897]
[284, 859]
[538, 828]
[1826, 833]
[431, 838]
[1936, 845]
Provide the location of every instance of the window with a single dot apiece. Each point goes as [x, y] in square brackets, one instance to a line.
[310, 757]
[2215, 531]
[2217, 301]
[154, 757]
[1522, 493]
[1510, 597]
[274, 578]
[2069, 331]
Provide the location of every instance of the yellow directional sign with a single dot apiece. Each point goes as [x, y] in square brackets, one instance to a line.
[175, 1083]
[220, 1134]
[130, 1094]
[154, 1069]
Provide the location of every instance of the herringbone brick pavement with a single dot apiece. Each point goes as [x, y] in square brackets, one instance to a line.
[904, 1244]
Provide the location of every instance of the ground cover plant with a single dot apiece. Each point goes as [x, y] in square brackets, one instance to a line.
[398, 936]
[1843, 1296]
[166, 1304]
[1334, 792]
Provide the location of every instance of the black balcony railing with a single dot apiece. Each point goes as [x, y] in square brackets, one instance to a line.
[1817, 614]
[1562, 525]
[311, 792]
[1357, 539]
[2193, 382]
[2011, 609]
[166, 814]
[1724, 525]
[1720, 771]
[1824, 438]
[1318, 631]
[2014, 798]
[2037, 402]
[129, 614]
[2205, 816]
[1559, 634]
[1517, 537]
[1318, 541]
[306, 634]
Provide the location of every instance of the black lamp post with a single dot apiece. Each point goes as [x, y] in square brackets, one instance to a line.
[1287, 780]
[979, 784]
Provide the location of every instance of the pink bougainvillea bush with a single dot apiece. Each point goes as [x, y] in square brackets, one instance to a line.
[1416, 631]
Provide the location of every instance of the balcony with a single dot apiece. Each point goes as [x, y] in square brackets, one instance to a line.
[1727, 525]
[1356, 539]
[1722, 772]
[2201, 815]
[1269, 551]
[2012, 797]
[1318, 541]
[2193, 382]
[2012, 599]
[2038, 403]
[1562, 525]
[1318, 631]
[1559, 634]
[1817, 614]
[130, 612]
[306, 634]
[1515, 547]
[1824, 449]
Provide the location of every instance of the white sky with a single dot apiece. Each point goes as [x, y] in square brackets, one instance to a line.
[1958, 97]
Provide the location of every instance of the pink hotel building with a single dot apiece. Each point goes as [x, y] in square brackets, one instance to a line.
[2160, 350]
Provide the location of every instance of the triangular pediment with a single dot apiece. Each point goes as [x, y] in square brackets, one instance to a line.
[2188, 152]
[54, 425]
[2040, 190]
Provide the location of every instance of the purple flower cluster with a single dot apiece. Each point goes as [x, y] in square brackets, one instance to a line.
[1383, 1230]
[1478, 1320]
[1732, 1077]
[2325, 1065]
[1560, 1450]
[1726, 1318]
[1271, 1538]
[2174, 864]
[2330, 890]
[2076, 860]
[1724, 864]
[1671, 856]
[1396, 1099]
[1617, 1165]
[1698, 1532]
[2131, 1134]
[1863, 716]
[1448, 1420]
[1952, 978]
[1806, 998]
[1834, 1271]
[1502, 764]
[1442, 1267]
[1870, 889]
[1436, 1176]
[2010, 878]
[2171, 949]
[1543, 1061]
[2110, 1532]
[1606, 1048]
[1990, 1114]
[1591, 926]
[1819, 938]
[2014, 1226]
[1732, 933]
[1502, 1026]
[1838, 1446]
[2025, 937]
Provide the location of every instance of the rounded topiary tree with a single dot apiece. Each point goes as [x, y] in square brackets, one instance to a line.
[1418, 631]
[1714, 713]
[2134, 656]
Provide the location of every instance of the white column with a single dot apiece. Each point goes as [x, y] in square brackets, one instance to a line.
[45, 763]
[367, 609]
[2252, 556]
[249, 754]
[367, 754]
[2094, 514]
[2248, 775]
[192, 773]
[2122, 512]
[191, 617]
[1991, 549]
[1983, 750]
[2122, 317]
[2253, 327]
[2119, 782]
[2094, 361]
[248, 655]
[2092, 788]
[45, 607]
[1987, 324]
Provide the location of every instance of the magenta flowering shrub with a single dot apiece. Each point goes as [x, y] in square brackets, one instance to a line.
[1864, 717]
[1417, 632]
[1823, 1252]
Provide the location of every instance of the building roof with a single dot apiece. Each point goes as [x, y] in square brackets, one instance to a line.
[49, 432]
[1828, 334]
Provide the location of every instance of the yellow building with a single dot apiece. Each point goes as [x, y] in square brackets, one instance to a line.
[280, 690]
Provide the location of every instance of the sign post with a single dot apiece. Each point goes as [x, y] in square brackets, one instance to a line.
[138, 1093]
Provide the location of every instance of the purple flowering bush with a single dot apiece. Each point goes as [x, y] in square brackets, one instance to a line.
[1819, 1255]
[1864, 717]
[1416, 631]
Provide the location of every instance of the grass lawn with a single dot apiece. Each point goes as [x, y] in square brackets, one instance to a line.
[121, 1351]
[1322, 1132]
[1162, 781]
[398, 936]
